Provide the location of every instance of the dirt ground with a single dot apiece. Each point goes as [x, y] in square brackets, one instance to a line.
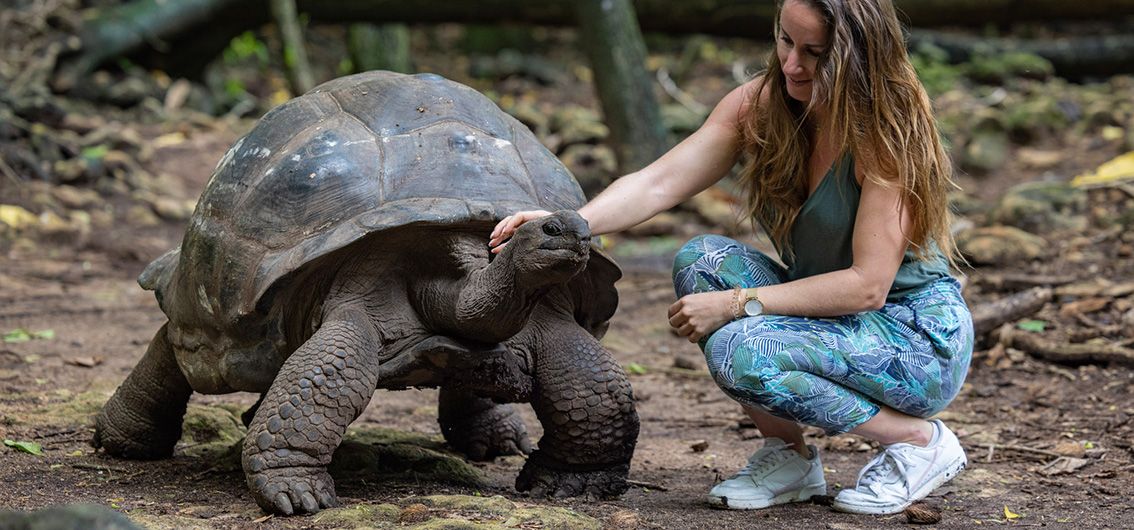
[1048, 445]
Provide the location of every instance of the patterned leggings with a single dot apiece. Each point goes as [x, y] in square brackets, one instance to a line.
[912, 355]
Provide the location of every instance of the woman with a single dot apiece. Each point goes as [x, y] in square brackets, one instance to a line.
[863, 331]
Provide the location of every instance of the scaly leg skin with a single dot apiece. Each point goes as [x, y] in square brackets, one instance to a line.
[142, 420]
[585, 404]
[319, 390]
[479, 427]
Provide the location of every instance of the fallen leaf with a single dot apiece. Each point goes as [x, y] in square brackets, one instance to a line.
[262, 519]
[1064, 465]
[17, 335]
[85, 362]
[1034, 326]
[1009, 514]
[1087, 305]
[1117, 169]
[27, 447]
[636, 369]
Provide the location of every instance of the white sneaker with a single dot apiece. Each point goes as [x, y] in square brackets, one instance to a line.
[903, 474]
[775, 474]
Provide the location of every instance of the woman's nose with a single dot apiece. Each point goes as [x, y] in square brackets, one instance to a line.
[792, 64]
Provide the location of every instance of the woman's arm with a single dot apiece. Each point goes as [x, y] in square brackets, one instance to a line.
[878, 244]
[696, 163]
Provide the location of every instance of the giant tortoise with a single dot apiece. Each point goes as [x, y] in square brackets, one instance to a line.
[341, 247]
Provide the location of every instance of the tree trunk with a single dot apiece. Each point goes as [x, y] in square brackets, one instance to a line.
[613, 42]
[294, 49]
[123, 28]
[380, 47]
[1072, 57]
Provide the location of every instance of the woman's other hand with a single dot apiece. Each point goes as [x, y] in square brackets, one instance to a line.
[508, 225]
[697, 315]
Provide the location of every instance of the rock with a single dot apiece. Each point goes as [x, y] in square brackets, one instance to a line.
[681, 120]
[172, 209]
[923, 513]
[1038, 158]
[999, 245]
[358, 516]
[16, 218]
[718, 207]
[210, 432]
[68, 517]
[142, 216]
[986, 151]
[575, 124]
[73, 197]
[1042, 207]
[489, 506]
[594, 166]
[386, 454]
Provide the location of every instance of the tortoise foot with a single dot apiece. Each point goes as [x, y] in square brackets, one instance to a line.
[293, 490]
[487, 434]
[125, 434]
[543, 477]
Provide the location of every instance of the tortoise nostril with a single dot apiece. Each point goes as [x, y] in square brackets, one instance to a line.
[552, 229]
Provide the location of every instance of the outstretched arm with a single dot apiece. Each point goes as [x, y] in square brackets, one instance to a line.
[691, 166]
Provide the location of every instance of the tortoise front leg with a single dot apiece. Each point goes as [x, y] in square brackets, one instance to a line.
[319, 390]
[143, 418]
[479, 427]
[585, 404]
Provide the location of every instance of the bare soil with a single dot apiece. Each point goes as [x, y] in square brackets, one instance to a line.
[1021, 419]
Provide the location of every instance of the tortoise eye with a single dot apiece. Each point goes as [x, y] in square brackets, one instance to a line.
[552, 229]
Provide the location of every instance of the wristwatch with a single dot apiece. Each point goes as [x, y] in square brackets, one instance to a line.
[751, 304]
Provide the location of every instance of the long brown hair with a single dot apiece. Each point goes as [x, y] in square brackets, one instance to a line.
[877, 110]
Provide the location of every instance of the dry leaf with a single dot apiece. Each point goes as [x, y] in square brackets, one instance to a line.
[85, 362]
[1086, 305]
[1064, 465]
[1009, 514]
[923, 513]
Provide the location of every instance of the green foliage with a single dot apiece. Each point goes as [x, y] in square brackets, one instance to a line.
[933, 68]
[94, 152]
[244, 47]
[636, 369]
[1034, 326]
[234, 88]
[345, 67]
[27, 447]
[996, 68]
[24, 335]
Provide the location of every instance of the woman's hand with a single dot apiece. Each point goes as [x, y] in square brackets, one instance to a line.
[695, 316]
[508, 225]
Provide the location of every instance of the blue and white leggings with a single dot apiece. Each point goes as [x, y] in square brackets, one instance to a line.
[912, 355]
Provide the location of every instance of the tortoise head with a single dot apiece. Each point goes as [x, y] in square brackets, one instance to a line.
[551, 249]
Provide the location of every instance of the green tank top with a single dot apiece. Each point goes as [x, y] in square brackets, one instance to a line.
[821, 235]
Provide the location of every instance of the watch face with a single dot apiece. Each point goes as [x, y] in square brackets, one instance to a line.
[753, 308]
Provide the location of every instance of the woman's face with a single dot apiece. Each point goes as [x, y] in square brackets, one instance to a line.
[802, 40]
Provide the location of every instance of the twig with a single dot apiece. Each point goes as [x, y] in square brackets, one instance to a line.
[1020, 448]
[99, 467]
[9, 172]
[1061, 352]
[678, 95]
[650, 485]
[988, 316]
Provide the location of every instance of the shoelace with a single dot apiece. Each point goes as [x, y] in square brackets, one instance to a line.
[889, 467]
[762, 463]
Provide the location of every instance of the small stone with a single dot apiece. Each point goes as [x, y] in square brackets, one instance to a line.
[699, 446]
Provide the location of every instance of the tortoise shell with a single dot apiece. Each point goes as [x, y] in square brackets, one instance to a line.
[352, 157]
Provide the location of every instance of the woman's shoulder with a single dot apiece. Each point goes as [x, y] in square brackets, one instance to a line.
[740, 101]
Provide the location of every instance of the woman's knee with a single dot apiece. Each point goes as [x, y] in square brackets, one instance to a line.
[737, 365]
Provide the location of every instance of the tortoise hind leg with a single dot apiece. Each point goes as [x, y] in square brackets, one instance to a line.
[142, 419]
[586, 407]
[479, 427]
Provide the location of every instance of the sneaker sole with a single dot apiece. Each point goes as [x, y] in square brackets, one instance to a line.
[799, 495]
[953, 469]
